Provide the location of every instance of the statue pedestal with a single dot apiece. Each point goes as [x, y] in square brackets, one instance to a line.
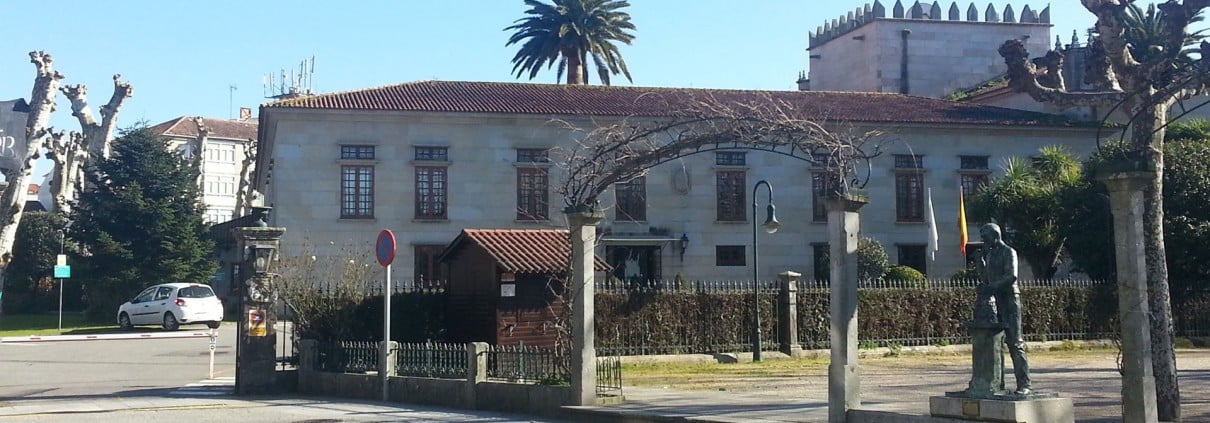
[1033, 408]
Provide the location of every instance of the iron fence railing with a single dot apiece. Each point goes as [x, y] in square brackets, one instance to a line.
[522, 363]
[431, 359]
[347, 356]
[609, 376]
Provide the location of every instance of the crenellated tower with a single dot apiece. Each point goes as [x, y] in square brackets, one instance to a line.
[922, 50]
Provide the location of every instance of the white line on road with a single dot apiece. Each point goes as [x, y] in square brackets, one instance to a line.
[145, 335]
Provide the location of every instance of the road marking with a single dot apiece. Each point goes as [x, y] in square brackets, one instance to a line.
[145, 335]
[210, 387]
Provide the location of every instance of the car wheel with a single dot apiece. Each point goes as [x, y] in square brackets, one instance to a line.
[170, 322]
[124, 322]
[212, 325]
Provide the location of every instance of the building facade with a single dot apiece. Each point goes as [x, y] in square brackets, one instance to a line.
[429, 159]
[222, 162]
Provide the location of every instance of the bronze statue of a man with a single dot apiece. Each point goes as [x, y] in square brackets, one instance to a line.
[998, 281]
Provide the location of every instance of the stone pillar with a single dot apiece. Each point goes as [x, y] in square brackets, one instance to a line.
[583, 226]
[844, 374]
[476, 371]
[256, 354]
[787, 320]
[1126, 191]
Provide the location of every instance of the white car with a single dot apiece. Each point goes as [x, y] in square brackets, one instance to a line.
[172, 305]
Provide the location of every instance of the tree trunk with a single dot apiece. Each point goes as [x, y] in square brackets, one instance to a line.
[244, 195]
[42, 104]
[97, 135]
[68, 154]
[575, 68]
[199, 149]
[1148, 140]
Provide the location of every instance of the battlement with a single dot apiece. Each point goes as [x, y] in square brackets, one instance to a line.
[870, 12]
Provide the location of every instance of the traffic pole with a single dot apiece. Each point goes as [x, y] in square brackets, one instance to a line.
[386, 336]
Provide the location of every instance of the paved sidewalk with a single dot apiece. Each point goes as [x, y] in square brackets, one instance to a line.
[1092, 382]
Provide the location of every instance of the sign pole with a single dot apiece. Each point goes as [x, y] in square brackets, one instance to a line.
[60, 305]
[213, 344]
[386, 331]
[384, 250]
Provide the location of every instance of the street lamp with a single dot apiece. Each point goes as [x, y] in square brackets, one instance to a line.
[771, 225]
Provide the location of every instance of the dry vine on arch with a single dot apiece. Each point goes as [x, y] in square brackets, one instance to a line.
[619, 152]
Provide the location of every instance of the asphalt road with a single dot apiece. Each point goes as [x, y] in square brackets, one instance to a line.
[167, 379]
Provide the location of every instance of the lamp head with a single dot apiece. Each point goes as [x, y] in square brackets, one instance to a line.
[684, 241]
[771, 224]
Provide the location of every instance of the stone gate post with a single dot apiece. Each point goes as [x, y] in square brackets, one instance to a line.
[256, 354]
[787, 319]
[583, 232]
[844, 374]
[1126, 190]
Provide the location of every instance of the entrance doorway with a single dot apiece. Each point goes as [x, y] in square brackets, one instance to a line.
[637, 265]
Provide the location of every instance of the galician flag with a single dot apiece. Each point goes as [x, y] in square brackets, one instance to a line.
[932, 222]
[962, 239]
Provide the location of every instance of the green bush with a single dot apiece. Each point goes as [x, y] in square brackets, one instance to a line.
[903, 273]
[872, 260]
[967, 274]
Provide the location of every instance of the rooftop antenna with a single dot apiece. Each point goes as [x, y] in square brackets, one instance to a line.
[230, 101]
[298, 84]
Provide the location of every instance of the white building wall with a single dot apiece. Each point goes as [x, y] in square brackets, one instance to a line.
[304, 188]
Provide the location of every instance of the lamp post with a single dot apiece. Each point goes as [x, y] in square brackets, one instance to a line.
[771, 225]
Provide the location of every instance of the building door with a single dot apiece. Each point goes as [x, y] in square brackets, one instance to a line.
[637, 265]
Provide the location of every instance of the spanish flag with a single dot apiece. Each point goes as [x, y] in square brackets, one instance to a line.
[961, 222]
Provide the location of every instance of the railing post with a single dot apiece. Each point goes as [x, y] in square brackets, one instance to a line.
[787, 319]
[476, 369]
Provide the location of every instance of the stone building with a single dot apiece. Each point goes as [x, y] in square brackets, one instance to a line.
[428, 159]
[221, 162]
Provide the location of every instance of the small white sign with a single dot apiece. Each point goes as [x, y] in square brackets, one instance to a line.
[508, 290]
[61, 260]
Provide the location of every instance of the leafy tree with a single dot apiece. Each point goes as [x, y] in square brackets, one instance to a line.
[570, 31]
[872, 261]
[1186, 211]
[140, 222]
[38, 242]
[1028, 202]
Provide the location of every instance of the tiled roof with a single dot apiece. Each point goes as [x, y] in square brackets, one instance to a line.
[594, 100]
[219, 128]
[532, 251]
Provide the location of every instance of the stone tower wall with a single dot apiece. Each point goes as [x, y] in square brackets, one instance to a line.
[946, 50]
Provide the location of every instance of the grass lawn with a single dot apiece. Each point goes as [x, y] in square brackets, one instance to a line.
[713, 376]
[48, 324]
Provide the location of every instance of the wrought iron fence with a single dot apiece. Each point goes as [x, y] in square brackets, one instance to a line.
[521, 363]
[609, 376]
[431, 359]
[347, 356]
[705, 327]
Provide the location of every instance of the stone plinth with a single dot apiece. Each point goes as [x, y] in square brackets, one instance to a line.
[1036, 408]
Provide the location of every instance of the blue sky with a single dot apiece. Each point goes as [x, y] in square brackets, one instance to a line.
[182, 57]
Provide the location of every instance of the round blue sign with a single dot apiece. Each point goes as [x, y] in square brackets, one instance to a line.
[384, 249]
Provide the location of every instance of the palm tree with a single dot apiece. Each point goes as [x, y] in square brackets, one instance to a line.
[569, 31]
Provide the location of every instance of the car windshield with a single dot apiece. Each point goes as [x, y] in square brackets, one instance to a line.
[196, 291]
